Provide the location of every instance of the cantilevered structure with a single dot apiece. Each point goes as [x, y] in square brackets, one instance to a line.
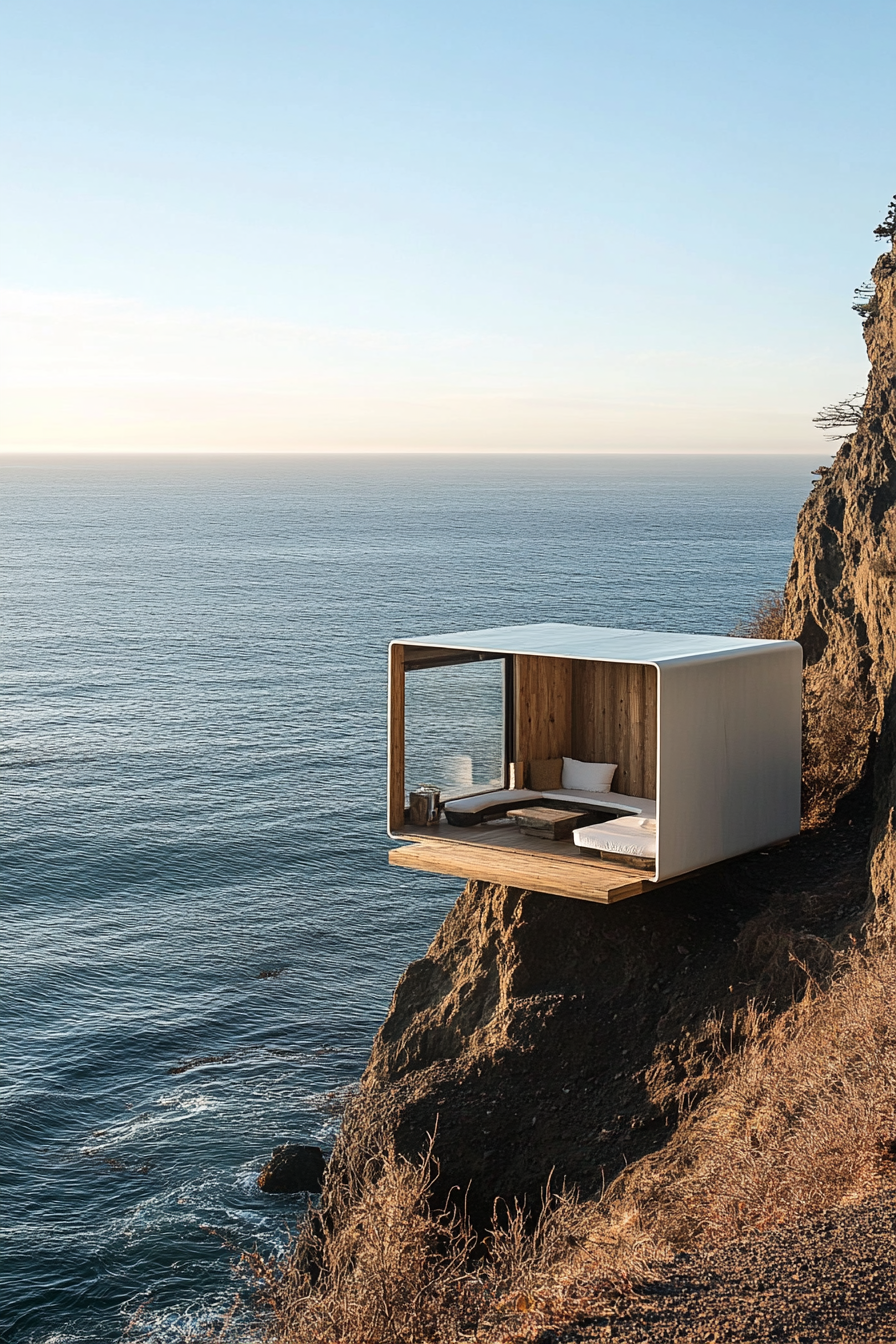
[704, 732]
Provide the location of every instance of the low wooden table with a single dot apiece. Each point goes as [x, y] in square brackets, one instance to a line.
[550, 823]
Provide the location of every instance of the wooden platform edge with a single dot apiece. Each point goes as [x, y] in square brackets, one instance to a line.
[513, 870]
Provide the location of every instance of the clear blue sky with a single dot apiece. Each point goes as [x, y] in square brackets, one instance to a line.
[491, 225]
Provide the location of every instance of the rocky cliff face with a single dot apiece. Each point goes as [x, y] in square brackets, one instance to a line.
[841, 593]
[542, 1037]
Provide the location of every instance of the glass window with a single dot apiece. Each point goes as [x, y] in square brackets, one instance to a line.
[454, 727]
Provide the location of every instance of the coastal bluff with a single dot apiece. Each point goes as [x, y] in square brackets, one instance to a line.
[547, 1039]
[840, 598]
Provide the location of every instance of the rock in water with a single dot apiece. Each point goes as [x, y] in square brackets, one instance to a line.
[293, 1167]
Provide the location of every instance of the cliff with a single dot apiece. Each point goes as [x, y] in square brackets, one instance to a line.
[840, 599]
[548, 1038]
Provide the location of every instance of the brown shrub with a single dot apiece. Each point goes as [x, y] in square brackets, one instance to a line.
[555, 1272]
[374, 1264]
[779, 962]
[766, 620]
[838, 718]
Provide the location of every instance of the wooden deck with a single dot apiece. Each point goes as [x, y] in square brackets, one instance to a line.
[501, 853]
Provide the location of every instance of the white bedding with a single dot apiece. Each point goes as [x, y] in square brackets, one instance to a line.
[625, 835]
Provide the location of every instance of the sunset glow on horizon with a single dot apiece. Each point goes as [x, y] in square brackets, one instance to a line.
[528, 229]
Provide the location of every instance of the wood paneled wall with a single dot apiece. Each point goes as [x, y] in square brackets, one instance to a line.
[614, 719]
[592, 711]
[543, 693]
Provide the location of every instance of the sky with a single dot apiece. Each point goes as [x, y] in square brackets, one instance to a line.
[570, 225]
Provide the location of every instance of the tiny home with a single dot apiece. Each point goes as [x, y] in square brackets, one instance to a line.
[590, 762]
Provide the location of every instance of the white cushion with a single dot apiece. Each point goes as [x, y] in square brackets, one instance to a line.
[604, 802]
[481, 802]
[594, 776]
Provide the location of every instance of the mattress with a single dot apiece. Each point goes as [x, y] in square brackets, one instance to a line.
[634, 836]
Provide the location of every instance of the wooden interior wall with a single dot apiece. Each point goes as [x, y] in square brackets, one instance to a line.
[614, 719]
[543, 694]
[396, 737]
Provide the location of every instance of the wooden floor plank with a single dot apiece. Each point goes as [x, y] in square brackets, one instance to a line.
[583, 880]
[504, 838]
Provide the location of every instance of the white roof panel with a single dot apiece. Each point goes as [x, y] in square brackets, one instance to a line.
[598, 642]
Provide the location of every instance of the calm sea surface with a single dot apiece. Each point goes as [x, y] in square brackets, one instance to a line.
[193, 752]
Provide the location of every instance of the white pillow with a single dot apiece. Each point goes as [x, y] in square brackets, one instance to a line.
[649, 824]
[590, 776]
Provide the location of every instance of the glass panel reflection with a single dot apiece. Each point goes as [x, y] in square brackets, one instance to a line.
[454, 727]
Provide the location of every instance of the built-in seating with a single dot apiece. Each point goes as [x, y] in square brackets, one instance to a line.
[495, 803]
[481, 807]
[586, 783]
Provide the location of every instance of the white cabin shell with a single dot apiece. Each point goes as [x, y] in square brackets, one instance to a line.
[708, 726]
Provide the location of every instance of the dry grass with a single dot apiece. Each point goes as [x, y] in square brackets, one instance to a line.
[374, 1264]
[379, 1265]
[838, 718]
[805, 1118]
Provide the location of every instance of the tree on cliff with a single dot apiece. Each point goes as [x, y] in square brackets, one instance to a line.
[864, 301]
[888, 228]
[841, 416]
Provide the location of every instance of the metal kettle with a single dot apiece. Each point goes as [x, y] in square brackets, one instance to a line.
[425, 803]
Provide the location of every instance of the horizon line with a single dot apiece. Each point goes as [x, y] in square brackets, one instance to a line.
[413, 452]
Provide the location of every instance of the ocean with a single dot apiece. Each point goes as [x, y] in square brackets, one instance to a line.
[200, 931]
